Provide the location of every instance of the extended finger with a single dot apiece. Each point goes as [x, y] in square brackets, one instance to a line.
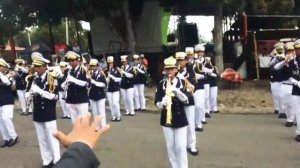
[96, 122]
[60, 136]
[103, 130]
[85, 121]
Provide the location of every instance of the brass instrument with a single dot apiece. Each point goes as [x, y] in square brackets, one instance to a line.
[120, 71]
[134, 71]
[170, 95]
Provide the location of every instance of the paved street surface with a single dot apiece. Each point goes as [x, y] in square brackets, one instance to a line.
[229, 141]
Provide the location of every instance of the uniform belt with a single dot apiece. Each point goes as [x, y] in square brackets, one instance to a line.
[287, 83]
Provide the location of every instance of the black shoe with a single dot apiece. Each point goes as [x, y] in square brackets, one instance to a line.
[30, 113]
[131, 114]
[199, 129]
[297, 138]
[64, 117]
[210, 112]
[194, 153]
[118, 119]
[137, 109]
[216, 111]
[5, 143]
[50, 165]
[289, 124]
[207, 115]
[282, 115]
[143, 109]
[12, 142]
[24, 114]
[69, 118]
[276, 111]
[113, 120]
[204, 122]
[126, 114]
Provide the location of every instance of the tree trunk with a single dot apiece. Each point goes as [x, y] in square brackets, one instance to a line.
[218, 36]
[130, 37]
[12, 44]
[51, 36]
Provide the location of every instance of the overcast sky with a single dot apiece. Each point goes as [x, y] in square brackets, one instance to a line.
[205, 24]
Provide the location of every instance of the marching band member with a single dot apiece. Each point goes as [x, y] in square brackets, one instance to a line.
[188, 75]
[45, 94]
[113, 89]
[213, 90]
[7, 128]
[170, 97]
[199, 93]
[76, 87]
[127, 90]
[286, 85]
[97, 92]
[275, 83]
[295, 79]
[276, 78]
[61, 92]
[139, 71]
[21, 73]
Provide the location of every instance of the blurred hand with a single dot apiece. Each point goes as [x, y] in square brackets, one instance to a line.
[83, 131]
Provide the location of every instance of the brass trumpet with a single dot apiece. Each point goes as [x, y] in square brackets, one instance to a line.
[170, 95]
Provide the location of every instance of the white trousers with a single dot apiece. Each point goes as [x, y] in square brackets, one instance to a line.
[275, 89]
[213, 97]
[199, 97]
[286, 97]
[98, 108]
[113, 100]
[21, 95]
[176, 146]
[139, 96]
[127, 96]
[191, 134]
[207, 92]
[296, 110]
[77, 110]
[63, 104]
[49, 145]
[6, 125]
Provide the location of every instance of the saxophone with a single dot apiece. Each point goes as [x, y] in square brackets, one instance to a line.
[169, 94]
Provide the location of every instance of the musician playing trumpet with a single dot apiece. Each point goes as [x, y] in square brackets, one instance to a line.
[20, 74]
[170, 98]
[113, 89]
[188, 75]
[139, 78]
[97, 92]
[61, 91]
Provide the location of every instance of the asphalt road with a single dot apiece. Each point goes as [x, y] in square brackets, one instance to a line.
[228, 141]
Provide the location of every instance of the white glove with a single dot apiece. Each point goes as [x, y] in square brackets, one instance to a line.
[213, 75]
[35, 89]
[76, 81]
[180, 76]
[294, 81]
[175, 90]
[165, 100]
[111, 77]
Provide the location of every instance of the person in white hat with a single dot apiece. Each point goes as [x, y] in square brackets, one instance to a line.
[286, 85]
[97, 92]
[188, 75]
[139, 71]
[295, 79]
[113, 89]
[207, 68]
[127, 90]
[20, 74]
[61, 91]
[7, 128]
[76, 85]
[44, 91]
[276, 77]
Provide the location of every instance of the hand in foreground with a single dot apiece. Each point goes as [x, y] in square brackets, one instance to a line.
[83, 131]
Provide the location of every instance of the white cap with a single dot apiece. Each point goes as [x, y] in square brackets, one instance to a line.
[110, 59]
[63, 64]
[180, 55]
[124, 57]
[135, 56]
[199, 48]
[93, 62]
[189, 50]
